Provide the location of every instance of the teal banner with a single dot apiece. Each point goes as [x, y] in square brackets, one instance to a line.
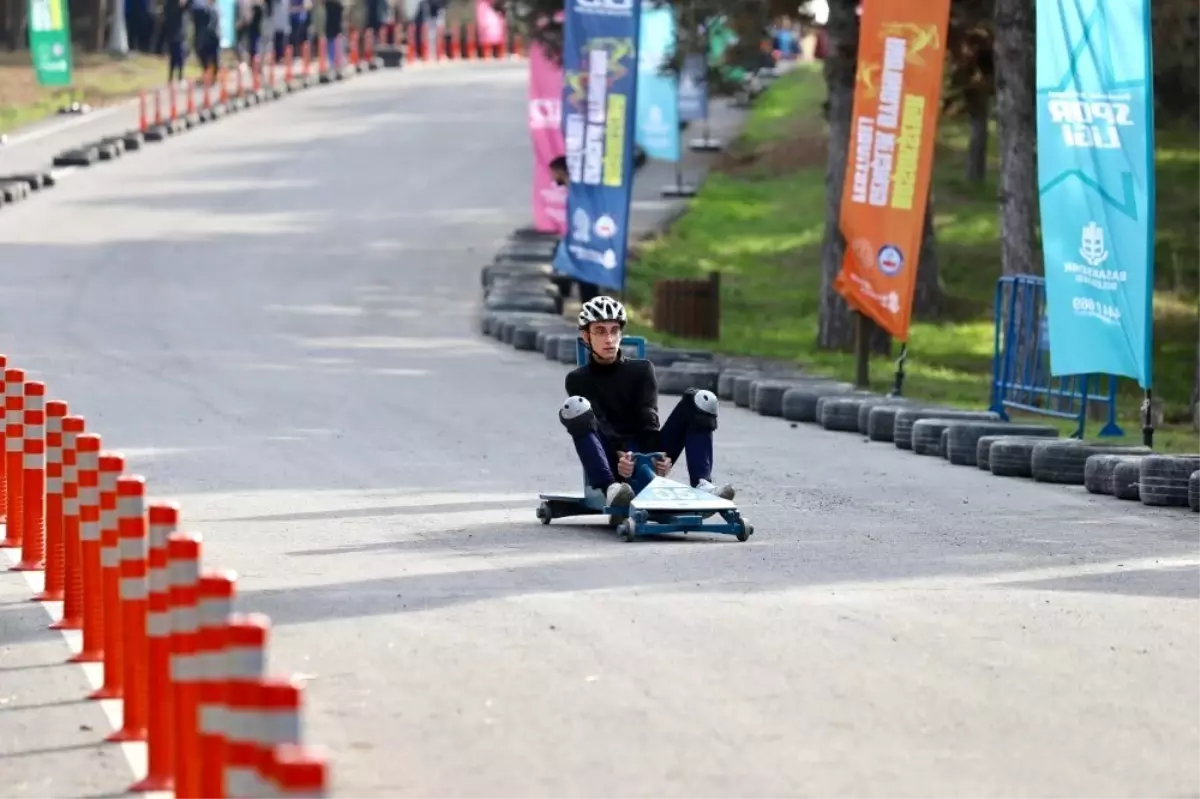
[657, 128]
[1095, 149]
[50, 42]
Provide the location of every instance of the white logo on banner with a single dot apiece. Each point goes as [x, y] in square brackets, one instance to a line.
[1091, 121]
[582, 223]
[606, 227]
[1092, 247]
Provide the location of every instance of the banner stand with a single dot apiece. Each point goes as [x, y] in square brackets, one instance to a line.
[706, 143]
[679, 188]
[898, 380]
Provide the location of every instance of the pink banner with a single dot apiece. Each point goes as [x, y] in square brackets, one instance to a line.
[545, 128]
[489, 25]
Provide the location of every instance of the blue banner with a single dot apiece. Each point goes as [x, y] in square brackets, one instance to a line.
[600, 65]
[1095, 150]
[693, 89]
[657, 92]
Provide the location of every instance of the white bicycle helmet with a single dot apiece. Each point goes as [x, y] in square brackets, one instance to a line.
[601, 309]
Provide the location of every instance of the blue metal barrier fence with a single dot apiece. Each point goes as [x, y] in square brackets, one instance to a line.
[1021, 377]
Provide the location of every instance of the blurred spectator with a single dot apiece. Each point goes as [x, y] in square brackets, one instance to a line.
[299, 13]
[334, 11]
[175, 38]
[281, 26]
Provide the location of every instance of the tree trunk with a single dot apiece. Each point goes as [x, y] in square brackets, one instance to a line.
[1017, 129]
[977, 146]
[927, 292]
[836, 324]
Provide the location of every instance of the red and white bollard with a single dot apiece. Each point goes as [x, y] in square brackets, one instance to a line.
[212, 655]
[14, 456]
[301, 772]
[183, 554]
[87, 475]
[72, 614]
[33, 479]
[163, 521]
[54, 588]
[246, 664]
[279, 706]
[131, 521]
[111, 467]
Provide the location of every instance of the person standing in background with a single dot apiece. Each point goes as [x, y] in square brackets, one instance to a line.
[333, 30]
[281, 27]
[174, 36]
[253, 28]
[299, 11]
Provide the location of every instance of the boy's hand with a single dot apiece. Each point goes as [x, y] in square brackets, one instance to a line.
[663, 466]
[625, 464]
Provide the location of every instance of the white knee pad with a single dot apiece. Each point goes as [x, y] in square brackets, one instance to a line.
[706, 402]
[577, 416]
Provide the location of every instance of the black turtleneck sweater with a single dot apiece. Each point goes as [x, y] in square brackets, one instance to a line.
[624, 397]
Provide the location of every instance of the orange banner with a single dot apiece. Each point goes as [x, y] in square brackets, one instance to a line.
[897, 97]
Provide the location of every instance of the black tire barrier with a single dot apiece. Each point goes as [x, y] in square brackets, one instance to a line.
[36, 181]
[524, 338]
[766, 396]
[881, 419]
[108, 151]
[984, 446]
[1194, 492]
[1010, 457]
[669, 356]
[725, 382]
[905, 419]
[550, 345]
[527, 249]
[529, 303]
[675, 380]
[1125, 479]
[523, 284]
[80, 156]
[532, 234]
[14, 191]
[962, 445]
[546, 332]
[1063, 461]
[567, 351]
[839, 412]
[741, 389]
[1098, 472]
[927, 435]
[496, 271]
[800, 403]
[864, 411]
[524, 257]
[1163, 479]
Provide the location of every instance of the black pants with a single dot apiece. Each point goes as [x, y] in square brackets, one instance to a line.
[681, 433]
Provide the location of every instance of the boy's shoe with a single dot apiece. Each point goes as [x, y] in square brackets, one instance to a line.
[619, 495]
[724, 492]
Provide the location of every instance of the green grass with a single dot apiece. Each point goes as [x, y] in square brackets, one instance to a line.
[759, 220]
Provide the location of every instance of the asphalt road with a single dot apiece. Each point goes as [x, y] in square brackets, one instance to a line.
[274, 318]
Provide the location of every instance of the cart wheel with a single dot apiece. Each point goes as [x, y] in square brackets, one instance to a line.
[747, 531]
[543, 513]
[625, 530]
